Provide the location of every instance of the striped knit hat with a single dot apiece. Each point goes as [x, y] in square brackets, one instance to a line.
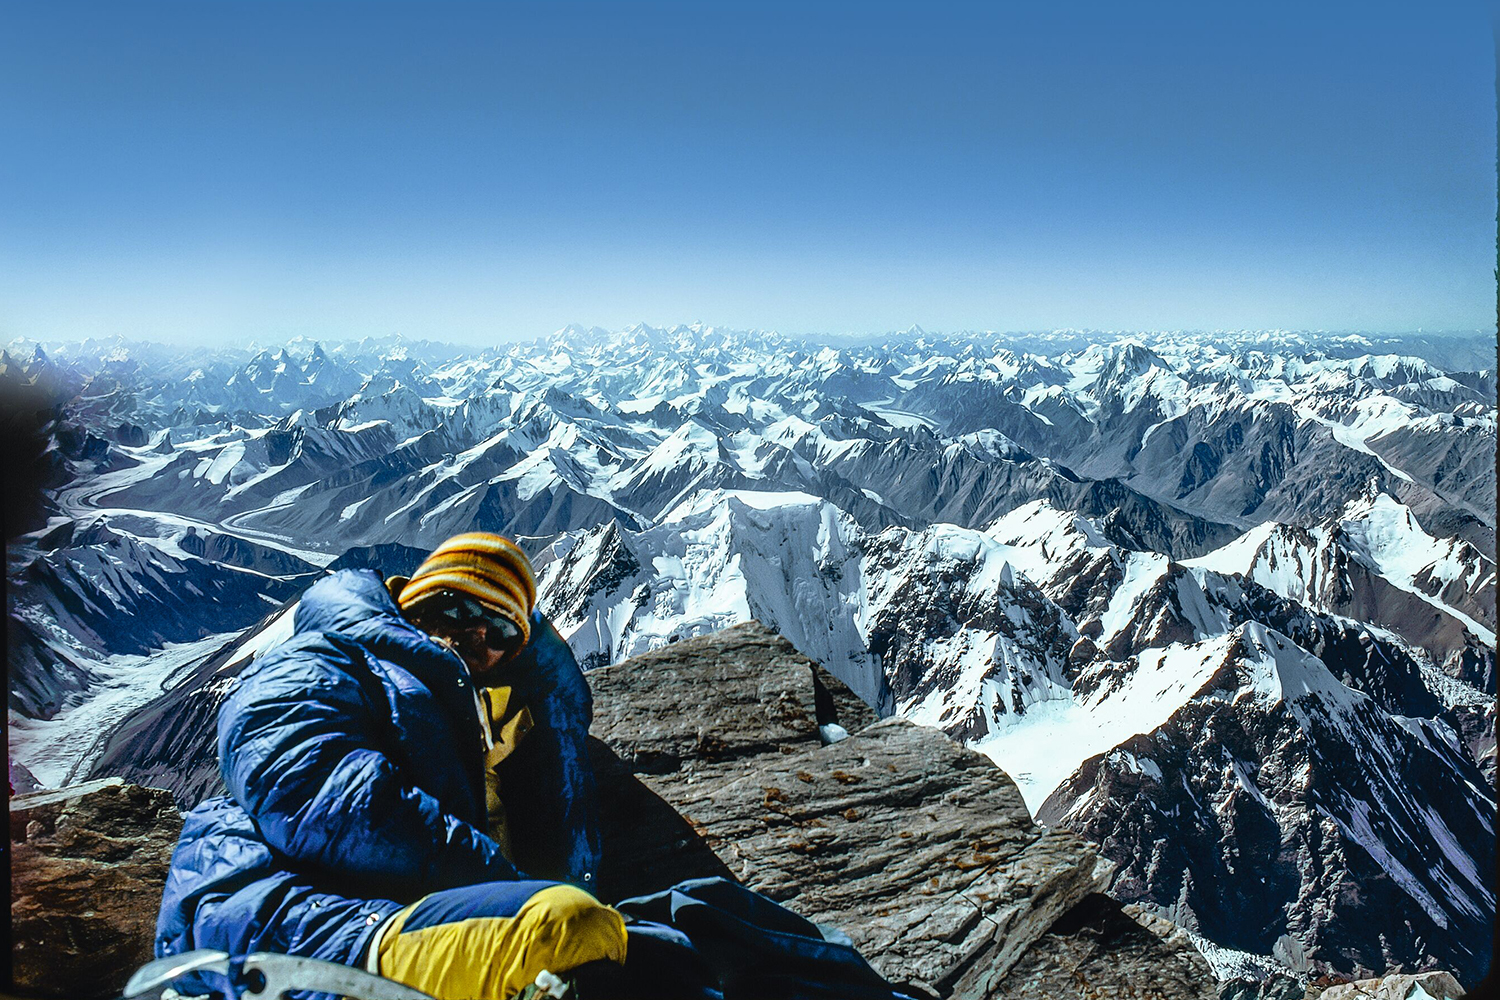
[487, 567]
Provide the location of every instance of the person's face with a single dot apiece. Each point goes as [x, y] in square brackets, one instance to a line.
[484, 641]
[471, 643]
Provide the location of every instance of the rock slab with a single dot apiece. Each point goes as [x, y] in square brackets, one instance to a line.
[1097, 951]
[921, 850]
[1401, 986]
[89, 863]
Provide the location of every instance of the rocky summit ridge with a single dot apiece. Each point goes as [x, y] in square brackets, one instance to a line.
[921, 850]
[728, 754]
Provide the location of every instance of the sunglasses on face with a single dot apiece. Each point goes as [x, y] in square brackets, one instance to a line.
[465, 612]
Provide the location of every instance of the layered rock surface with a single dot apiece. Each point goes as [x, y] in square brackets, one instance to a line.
[1098, 948]
[919, 849]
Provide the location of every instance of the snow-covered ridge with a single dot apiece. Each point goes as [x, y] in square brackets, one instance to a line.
[1374, 561]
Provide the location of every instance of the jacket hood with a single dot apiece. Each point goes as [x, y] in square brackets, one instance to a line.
[355, 603]
[343, 600]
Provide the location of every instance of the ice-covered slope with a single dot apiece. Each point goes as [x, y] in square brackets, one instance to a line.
[722, 557]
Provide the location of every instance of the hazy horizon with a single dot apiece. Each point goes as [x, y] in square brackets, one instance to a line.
[253, 344]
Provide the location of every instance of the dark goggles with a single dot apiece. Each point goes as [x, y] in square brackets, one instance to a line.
[465, 612]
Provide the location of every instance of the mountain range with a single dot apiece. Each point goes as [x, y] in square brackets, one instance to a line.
[1224, 603]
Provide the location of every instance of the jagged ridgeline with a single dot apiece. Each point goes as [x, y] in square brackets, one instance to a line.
[1224, 605]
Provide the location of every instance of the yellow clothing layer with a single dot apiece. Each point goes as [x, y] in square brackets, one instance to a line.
[505, 725]
[557, 929]
[487, 567]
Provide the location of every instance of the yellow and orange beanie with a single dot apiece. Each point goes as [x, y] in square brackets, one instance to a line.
[487, 567]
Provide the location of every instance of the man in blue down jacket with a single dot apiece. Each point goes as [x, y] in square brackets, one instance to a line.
[410, 792]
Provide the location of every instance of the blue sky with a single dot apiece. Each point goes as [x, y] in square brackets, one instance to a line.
[210, 170]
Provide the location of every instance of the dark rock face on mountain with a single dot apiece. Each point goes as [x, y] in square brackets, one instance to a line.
[1258, 459]
[1098, 950]
[231, 550]
[1293, 825]
[1375, 563]
[388, 559]
[928, 592]
[88, 867]
[43, 676]
[1453, 452]
[972, 486]
[1135, 521]
[1476, 726]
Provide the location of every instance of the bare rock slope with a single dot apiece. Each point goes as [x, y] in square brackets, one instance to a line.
[88, 867]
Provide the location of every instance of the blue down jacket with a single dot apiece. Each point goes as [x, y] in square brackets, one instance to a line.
[353, 757]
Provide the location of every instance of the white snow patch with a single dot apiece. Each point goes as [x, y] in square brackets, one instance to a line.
[352, 508]
[1043, 747]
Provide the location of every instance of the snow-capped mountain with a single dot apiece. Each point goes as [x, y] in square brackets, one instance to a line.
[1050, 649]
[1375, 562]
[1224, 603]
[1279, 810]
